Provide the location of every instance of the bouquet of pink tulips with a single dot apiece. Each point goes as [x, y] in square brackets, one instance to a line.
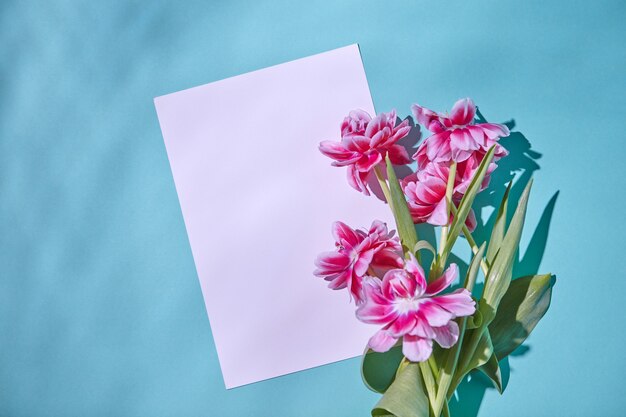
[430, 337]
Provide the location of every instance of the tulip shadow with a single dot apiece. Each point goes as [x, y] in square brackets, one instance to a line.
[519, 166]
[470, 393]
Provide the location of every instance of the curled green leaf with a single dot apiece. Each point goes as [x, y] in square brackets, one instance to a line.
[474, 320]
[492, 370]
[471, 359]
[424, 245]
[499, 277]
[378, 370]
[524, 304]
[406, 397]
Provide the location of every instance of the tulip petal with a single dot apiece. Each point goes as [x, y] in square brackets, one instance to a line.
[403, 324]
[423, 329]
[439, 215]
[463, 112]
[435, 314]
[444, 281]
[447, 335]
[398, 155]
[459, 303]
[363, 262]
[493, 130]
[368, 161]
[382, 341]
[344, 234]
[416, 349]
[331, 262]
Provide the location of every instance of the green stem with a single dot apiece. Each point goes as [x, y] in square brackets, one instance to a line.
[383, 185]
[447, 373]
[476, 336]
[469, 353]
[449, 191]
[445, 382]
[470, 240]
[429, 382]
[446, 410]
[433, 366]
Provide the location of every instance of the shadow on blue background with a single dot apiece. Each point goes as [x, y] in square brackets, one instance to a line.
[521, 162]
[519, 166]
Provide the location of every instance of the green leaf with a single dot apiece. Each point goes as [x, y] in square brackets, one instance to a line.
[454, 358]
[474, 320]
[468, 199]
[404, 222]
[472, 272]
[523, 305]
[378, 370]
[421, 245]
[483, 352]
[406, 397]
[497, 233]
[499, 276]
[492, 370]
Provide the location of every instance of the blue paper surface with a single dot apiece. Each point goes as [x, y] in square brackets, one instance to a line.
[100, 308]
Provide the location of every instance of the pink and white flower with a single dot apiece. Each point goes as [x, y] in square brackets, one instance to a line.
[456, 137]
[425, 192]
[365, 142]
[409, 308]
[357, 254]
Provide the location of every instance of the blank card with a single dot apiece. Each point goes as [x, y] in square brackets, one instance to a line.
[258, 200]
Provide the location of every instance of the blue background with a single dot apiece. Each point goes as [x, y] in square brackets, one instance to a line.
[101, 313]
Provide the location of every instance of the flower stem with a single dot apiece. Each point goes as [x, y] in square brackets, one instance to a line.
[433, 366]
[470, 240]
[447, 372]
[383, 185]
[449, 191]
[469, 352]
[446, 410]
[429, 382]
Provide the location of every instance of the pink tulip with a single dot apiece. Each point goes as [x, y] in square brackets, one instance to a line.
[425, 192]
[456, 137]
[358, 253]
[465, 172]
[365, 142]
[408, 307]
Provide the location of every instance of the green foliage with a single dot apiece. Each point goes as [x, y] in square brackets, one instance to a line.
[378, 370]
[523, 305]
[424, 245]
[492, 370]
[506, 313]
[404, 222]
[499, 226]
[500, 272]
[406, 397]
[468, 199]
[448, 371]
